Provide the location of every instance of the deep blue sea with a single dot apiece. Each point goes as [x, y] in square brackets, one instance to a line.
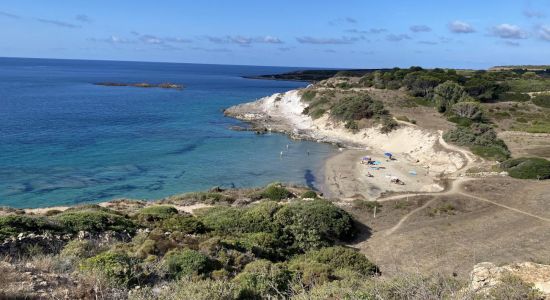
[64, 140]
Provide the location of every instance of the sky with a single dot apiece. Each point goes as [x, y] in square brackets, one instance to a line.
[307, 33]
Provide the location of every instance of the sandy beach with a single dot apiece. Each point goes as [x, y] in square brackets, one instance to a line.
[421, 156]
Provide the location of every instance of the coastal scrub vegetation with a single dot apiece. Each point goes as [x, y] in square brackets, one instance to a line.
[527, 168]
[265, 249]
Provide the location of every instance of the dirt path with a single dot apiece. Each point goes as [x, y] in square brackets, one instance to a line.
[454, 189]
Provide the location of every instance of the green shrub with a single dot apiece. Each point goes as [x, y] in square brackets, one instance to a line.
[447, 94]
[468, 110]
[309, 194]
[515, 97]
[527, 168]
[314, 224]
[263, 245]
[513, 287]
[79, 249]
[341, 258]
[482, 140]
[12, 225]
[276, 192]
[94, 221]
[187, 262]
[464, 122]
[357, 108]
[388, 124]
[542, 100]
[308, 95]
[491, 152]
[259, 217]
[183, 223]
[117, 267]
[317, 113]
[262, 279]
[351, 125]
[188, 288]
[529, 85]
[223, 220]
[155, 213]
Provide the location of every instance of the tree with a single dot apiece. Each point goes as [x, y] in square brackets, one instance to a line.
[469, 110]
[447, 94]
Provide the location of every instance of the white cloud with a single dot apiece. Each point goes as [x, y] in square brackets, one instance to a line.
[461, 27]
[244, 40]
[420, 28]
[544, 32]
[397, 37]
[326, 41]
[508, 31]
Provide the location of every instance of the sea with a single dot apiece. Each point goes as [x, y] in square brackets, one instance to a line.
[66, 141]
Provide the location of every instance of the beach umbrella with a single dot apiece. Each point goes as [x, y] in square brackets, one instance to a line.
[388, 154]
[366, 158]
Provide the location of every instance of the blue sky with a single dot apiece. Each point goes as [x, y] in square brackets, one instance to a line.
[349, 34]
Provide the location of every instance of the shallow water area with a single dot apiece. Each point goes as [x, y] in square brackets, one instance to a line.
[64, 140]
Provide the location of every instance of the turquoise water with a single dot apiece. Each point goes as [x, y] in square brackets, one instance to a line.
[64, 140]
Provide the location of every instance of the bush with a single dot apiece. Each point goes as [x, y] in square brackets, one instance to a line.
[13, 225]
[79, 249]
[117, 267]
[317, 113]
[491, 152]
[187, 288]
[187, 262]
[314, 224]
[263, 279]
[351, 125]
[357, 108]
[341, 258]
[223, 220]
[94, 221]
[187, 224]
[263, 245]
[309, 194]
[542, 100]
[259, 217]
[388, 124]
[527, 168]
[447, 94]
[156, 213]
[308, 95]
[514, 97]
[276, 192]
[468, 110]
[482, 140]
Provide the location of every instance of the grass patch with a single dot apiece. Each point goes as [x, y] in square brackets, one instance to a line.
[423, 101]
[366, 205]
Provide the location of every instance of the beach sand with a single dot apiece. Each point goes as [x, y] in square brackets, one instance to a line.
[346, 178]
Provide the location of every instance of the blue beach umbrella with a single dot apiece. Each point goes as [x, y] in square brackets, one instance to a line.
[388, 154]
